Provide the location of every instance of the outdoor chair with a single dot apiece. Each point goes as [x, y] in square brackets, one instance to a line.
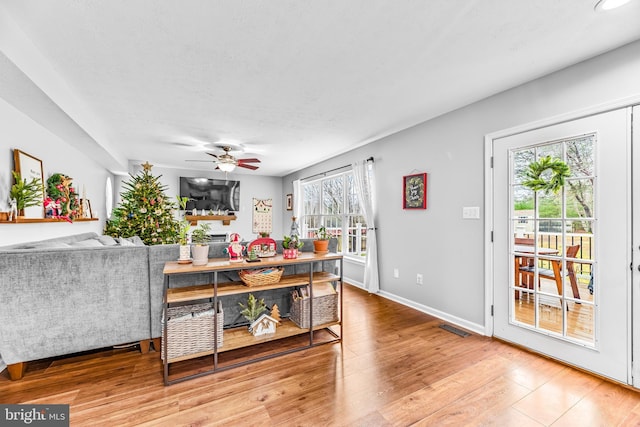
[555, 272]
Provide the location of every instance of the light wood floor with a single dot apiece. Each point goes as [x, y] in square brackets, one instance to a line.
[579, 317]
[396, 366]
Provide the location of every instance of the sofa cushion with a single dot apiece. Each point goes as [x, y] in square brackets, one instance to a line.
[107, 240]
[89, 243]
[124, 242]
[49, 245]
[130, 241]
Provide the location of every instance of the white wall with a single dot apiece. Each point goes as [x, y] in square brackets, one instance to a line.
[19, 131]
[437, 242]
[251, 186]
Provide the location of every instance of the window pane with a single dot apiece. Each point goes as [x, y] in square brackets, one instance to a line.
[521, 161]
[580, 156]
[522, 202]
[549, 204]
[353, 203]
[311, 205]
[553, 150]
[579, 198]
[332, 196]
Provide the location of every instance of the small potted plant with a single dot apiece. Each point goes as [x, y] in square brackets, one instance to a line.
[183, 239]
[26, 194]
[321, 243]
[254, 308]
[291, 245]
[183, 233]
[200, 239]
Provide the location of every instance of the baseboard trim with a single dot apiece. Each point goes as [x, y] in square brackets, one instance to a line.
[465, 324]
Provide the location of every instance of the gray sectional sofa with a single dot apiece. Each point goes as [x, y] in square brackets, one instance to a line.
[84, 292]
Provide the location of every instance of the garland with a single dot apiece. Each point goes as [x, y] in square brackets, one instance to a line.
[62, 199]
[535, 181]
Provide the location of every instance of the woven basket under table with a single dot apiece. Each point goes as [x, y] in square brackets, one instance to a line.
[325, 310]
[190, 329]
[261, 277]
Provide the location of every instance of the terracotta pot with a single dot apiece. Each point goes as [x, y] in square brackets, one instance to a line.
[321, 246]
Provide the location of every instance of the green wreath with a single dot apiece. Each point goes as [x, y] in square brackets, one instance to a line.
[534, 178]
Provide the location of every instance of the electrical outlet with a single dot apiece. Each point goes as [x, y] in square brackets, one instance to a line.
[419, 279]
[396, 273]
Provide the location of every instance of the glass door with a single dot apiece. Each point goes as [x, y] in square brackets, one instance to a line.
[561, 252]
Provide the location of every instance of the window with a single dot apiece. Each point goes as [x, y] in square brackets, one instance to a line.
[333, 202]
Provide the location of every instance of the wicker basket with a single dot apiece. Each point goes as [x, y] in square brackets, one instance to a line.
[190, 329]
[261, 277]
[325, 307]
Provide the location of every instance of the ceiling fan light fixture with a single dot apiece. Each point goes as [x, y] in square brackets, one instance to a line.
[226, 167]
[604, 5]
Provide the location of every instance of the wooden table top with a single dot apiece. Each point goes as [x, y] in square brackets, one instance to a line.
[223, 264]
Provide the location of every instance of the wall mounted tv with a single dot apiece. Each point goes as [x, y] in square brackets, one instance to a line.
[211, 194]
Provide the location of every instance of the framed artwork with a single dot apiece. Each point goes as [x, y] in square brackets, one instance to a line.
[29, 168]
[289, 202]
[414, 191]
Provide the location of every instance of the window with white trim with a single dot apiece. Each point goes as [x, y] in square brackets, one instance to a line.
[332, 202]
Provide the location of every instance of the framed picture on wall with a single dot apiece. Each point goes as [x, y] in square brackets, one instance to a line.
[289, 202]
[30, 168]
[414, 191]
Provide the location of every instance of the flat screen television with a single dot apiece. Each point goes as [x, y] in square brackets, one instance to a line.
[211, 194]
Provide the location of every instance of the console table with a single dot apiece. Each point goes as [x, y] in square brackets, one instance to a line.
[239, 346]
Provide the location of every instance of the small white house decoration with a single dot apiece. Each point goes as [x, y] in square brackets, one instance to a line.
[263, 325]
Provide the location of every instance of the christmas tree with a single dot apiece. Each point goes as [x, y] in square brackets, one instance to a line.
[145, 211]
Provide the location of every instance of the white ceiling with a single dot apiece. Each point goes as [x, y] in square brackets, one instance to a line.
[292, 82]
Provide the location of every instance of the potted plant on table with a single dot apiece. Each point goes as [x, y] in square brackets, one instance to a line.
[200, 239]
[26, 194]
[291, 245]
[183, 240]
[183, 233]
[321, 243]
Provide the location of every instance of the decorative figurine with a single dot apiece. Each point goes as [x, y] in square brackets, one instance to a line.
[235, 248]
[13, 209]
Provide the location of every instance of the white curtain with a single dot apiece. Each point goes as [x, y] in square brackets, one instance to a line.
[364, 178]
[297, 199]
[297, 207]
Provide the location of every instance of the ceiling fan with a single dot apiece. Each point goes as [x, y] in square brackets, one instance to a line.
[227, 163]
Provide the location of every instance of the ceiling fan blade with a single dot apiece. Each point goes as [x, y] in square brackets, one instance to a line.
[214, 155]
[248, 160]
[240, 165]
[208, 161]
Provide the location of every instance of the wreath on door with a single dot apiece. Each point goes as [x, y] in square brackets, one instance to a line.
[536, 181]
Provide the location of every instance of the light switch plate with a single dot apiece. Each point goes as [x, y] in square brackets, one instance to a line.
[471, 212]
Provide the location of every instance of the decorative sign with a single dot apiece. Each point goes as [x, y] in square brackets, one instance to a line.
[414, 191]
[262, 215]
